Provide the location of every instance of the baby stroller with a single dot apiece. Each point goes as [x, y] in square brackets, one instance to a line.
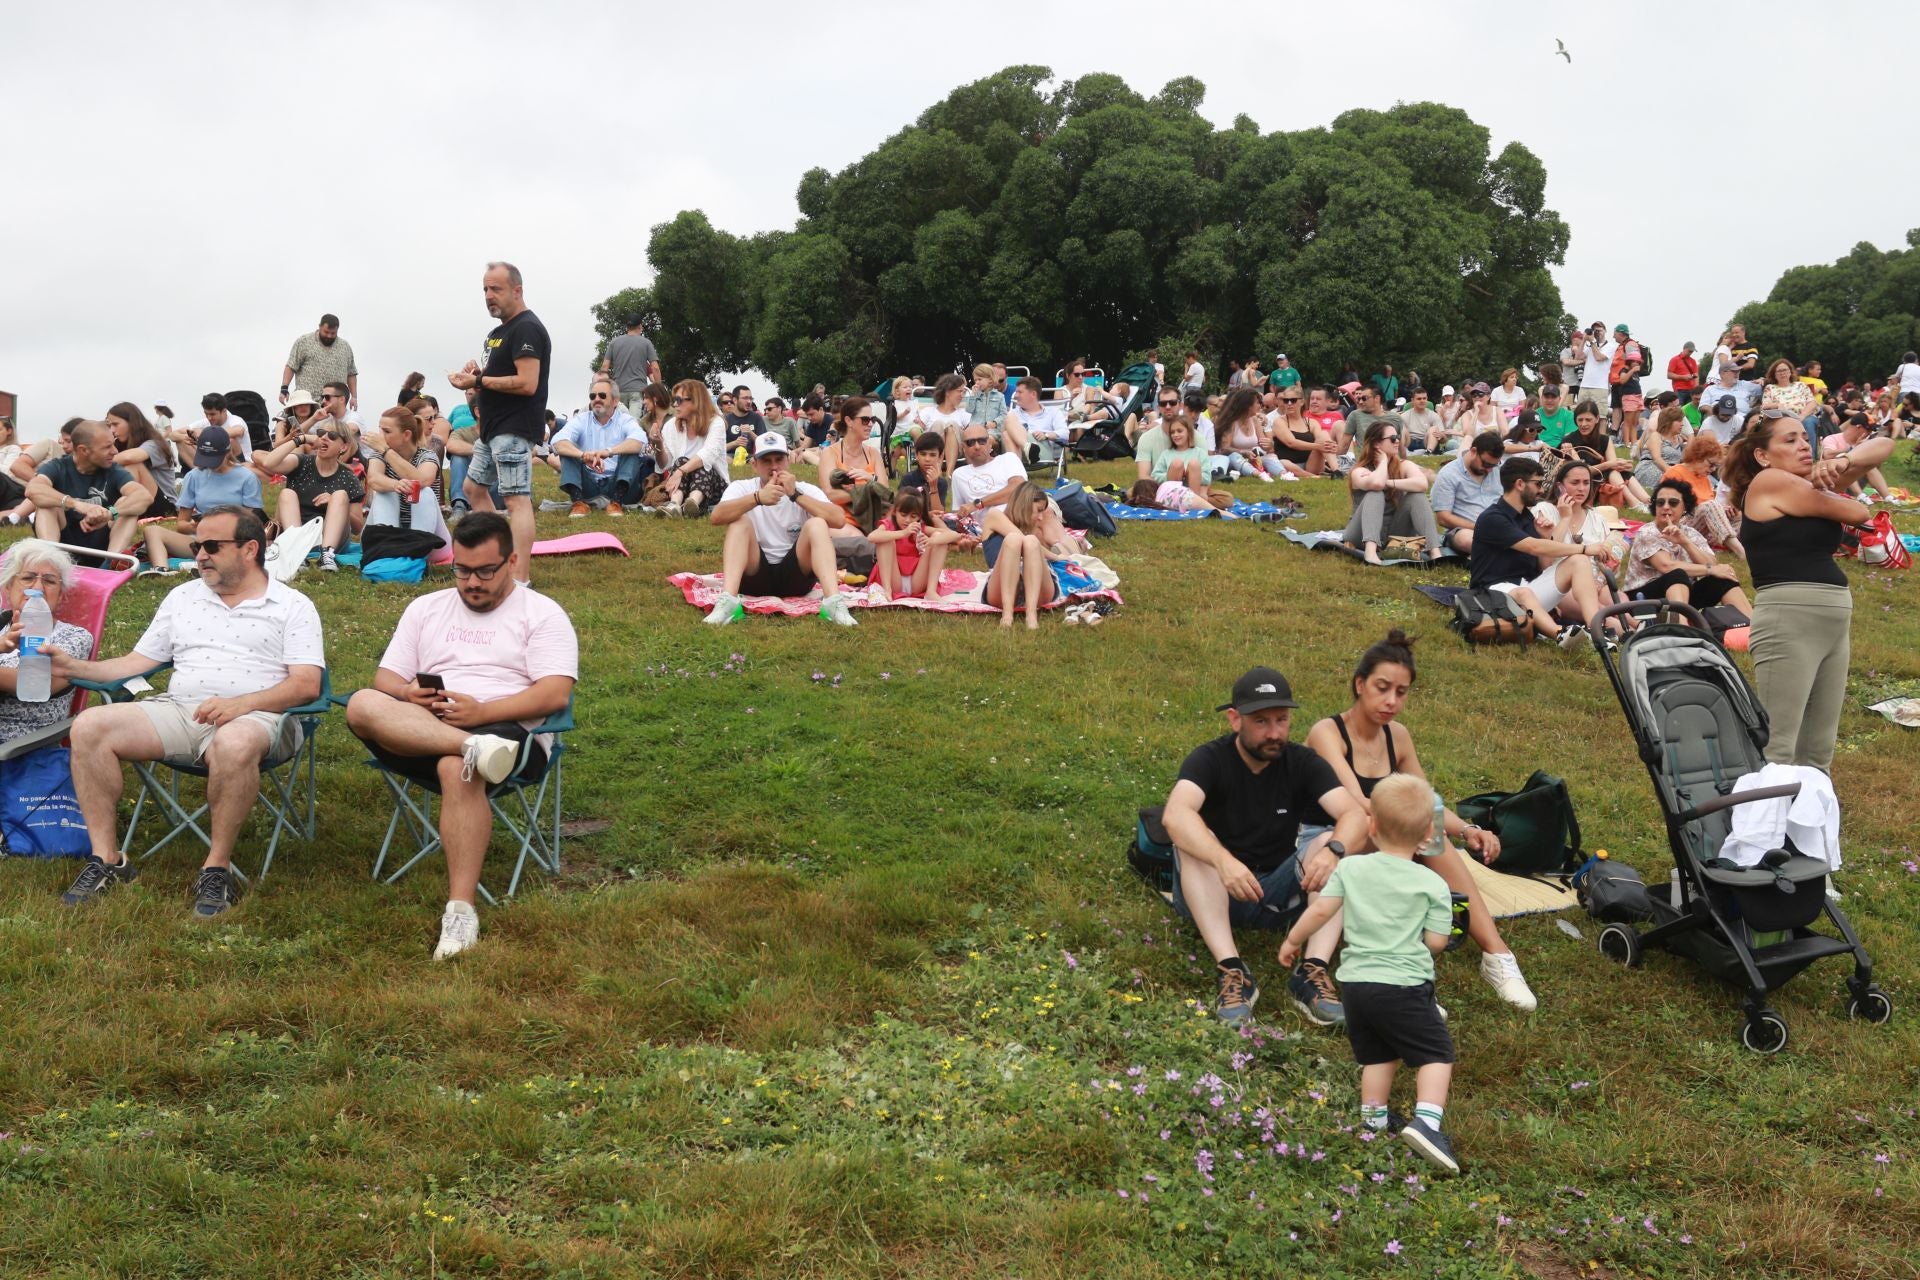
[1107, 440]
[1699, 727]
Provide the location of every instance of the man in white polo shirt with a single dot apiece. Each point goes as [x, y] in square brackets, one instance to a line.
[984, 480]
[467, 677]
[244, 649]
[779, 540]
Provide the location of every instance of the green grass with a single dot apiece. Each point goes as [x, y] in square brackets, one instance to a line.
[855, 982]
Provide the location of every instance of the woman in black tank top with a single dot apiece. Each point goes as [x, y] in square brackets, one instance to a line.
[1364, 744]
[1793, 510]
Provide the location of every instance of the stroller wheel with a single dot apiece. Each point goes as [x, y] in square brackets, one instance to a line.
[1765, 1032]
[1621, 944]
[1876, 1007]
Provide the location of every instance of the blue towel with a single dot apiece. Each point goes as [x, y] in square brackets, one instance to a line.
[1240, 511]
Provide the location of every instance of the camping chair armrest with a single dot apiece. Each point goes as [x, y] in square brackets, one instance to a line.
[1740, 797]
[14, 748]
[116, 690]
[560, 721]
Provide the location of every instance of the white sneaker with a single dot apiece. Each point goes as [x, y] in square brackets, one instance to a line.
[1264, 477]
[834, 609]
[726, 609]
[489, 756]
[459, 929]
[1502, 973]
[1571, 635]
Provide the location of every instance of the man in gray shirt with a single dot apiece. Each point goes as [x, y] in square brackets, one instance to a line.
[321, 357]
[633, 363]
[1465, 487]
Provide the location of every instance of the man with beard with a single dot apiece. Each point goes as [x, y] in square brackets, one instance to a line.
[244, 648]
[321, 357]
[468, 675]
[511, 406]
[1241, 856]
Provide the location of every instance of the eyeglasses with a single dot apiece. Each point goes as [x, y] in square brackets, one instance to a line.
[1667, 502]
[484, 572]
[328, 395]
[212, 546]
[1777, 413]
[683, 399]
[599, 395]
[974, 440]
[43, 579]
[1389, 439]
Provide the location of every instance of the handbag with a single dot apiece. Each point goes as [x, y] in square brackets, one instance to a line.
[1539, 833]
[1880, 543]
[290, 550]
[39, 817]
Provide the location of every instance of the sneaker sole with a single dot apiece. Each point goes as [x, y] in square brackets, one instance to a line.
[1434, 1155]
[1306, 1011]
[1246, 1013]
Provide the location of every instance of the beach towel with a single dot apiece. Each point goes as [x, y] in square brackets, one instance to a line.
[1506, 896]
[1239, 511]
[968, 590]
[1330, 540]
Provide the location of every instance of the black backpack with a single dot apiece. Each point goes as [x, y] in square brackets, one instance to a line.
[1491, 617]
[1081, 510]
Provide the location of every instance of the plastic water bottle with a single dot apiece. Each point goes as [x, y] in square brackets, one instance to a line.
[36, 667]
[1437, 845]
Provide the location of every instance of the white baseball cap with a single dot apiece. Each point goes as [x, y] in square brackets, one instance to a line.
[1446, 391]
[770, 442]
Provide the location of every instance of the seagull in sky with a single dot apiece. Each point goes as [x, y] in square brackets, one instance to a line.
[1560, 48]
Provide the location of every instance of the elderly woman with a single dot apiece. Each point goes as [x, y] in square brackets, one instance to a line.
[1709, 517]
[1389, 495]
[1782, 389]
[33, 565]
[1672, 562]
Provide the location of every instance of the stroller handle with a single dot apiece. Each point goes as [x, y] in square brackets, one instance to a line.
[1649, 608]
[1786, 792]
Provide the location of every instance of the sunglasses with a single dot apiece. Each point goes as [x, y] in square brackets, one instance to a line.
[683, 399]
[328, 395]
[212, 546]
[599, 395]
[974, 440]
[1169, 404]
[1667, 502]
[1389, 439]
[1289, 399]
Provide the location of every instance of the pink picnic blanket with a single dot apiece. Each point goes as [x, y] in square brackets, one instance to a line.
[702, 589]
[575, 543]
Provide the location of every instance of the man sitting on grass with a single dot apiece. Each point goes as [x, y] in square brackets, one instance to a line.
[1510, 556]
[1241, 858]
[603, 454]
[467, 677]
[87, 499]
[779, 538]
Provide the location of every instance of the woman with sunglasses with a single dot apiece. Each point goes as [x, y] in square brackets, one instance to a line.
[1672, 562]
[696, 439]
[1301, 448]
[320, 485]
[851, 467]
[1480, 414]
[1709, 517]
[1389, 495]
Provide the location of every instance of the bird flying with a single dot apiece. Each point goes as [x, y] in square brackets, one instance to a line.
[1560, 48]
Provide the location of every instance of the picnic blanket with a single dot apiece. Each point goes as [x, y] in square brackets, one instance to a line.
[968, 589]
[1506, 896]
[1240, 511]
[1331, 540]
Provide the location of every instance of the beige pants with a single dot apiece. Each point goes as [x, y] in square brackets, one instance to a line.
[1801, 643]
[184, 739]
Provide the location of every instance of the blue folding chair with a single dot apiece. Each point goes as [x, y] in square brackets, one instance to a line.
[287, 785]
[525, 804]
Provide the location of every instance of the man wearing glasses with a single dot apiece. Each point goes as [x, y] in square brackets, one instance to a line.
[1149, 435]
[603, 453]
[244, 648]
[469, 674]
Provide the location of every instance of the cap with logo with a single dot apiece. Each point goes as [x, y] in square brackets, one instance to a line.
[770, 442]
[211, 449]
[1726, 405]
[1259, 690]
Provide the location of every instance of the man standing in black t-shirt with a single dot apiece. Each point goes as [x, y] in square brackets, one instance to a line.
[1241, 857]
[511, 406]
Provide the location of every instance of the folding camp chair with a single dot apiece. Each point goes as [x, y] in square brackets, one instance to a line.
[84, 605]
[526, 804]
[287, 785]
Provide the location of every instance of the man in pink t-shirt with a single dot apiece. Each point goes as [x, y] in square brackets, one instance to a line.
[468, 674]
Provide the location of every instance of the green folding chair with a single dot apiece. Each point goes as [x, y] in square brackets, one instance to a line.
[525, 803]
[287, 785]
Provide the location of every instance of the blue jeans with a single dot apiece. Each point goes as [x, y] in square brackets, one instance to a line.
[1281, 897]
[457, 464]
[622, 486]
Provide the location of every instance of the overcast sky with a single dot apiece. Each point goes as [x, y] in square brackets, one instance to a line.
[186, 188]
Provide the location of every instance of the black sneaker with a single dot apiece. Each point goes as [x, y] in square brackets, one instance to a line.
[96, 878]
[1311, 987]
[1238, 993]
[213, 892]
[1431, 1143]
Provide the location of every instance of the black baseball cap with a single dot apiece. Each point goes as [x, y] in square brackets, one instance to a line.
[1725, 402]
[1259, 690]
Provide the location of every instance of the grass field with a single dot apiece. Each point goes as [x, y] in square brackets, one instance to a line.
[855, 982]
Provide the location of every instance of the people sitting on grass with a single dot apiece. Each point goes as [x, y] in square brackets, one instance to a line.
[402, 502]
[84, 498]
[319, 486]
[946, 417]
[779, 538]
[216, 480]
[1368, 742]
[1660, 448]
[1240, 433]
[1397, 917]
[1466, 486]
[1029, 424]
[1855, 431]
[498, 658]
[1510, 556]
[214, 413]
[603, 453]
[1590, 443]
[1180, 475]
[1243, 860]
[146, 455]
[911, 545]
[244, 649]
[1389, 496]
[986, 479]
[35, 565]
[1568, 514]
[1024, 569]
[852, 468]
[1148, 433]
[1302, 446]
[1710, 517]
[694, 442]
[1671, 561]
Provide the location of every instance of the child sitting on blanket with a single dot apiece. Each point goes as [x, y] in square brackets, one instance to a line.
[912, 550]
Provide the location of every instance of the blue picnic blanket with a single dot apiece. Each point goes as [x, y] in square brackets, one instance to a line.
[1240, 511]
[1333, 540]
[348, 559]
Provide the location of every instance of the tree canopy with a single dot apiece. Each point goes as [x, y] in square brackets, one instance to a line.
[1023, 224]
[1857, 316]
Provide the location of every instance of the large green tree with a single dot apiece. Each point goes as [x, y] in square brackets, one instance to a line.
[1016, 222]
[1857, 316]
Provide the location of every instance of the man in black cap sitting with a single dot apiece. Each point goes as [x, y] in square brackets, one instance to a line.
[1242, 857]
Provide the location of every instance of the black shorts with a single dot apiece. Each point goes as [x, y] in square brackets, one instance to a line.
[1387, 1023]
[1615, 392]
[1701, 592]
[778, 578]
[425, 770]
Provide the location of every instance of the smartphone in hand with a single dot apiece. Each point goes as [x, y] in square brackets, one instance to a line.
[428, 681]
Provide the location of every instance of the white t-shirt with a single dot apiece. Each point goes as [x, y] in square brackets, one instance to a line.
[1507, 402]
[711, 448]
[490, 655]
[1909, 375]
[971, 483]
[1571, 373]
[1722, 354]
[1203, 433]
[219, 652]
[1599, 363]
[931, 419]
[1195, 378]
[776, 526]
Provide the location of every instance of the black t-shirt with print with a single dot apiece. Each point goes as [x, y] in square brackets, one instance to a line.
[1257, 815]
[504, 414]
[308, 484]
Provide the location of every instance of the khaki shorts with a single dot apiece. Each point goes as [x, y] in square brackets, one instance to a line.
[183, 740]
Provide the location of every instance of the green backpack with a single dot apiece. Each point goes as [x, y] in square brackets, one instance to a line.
[1539, 834]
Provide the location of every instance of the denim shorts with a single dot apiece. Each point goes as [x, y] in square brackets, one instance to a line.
[1281, 897]
[504, 463]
